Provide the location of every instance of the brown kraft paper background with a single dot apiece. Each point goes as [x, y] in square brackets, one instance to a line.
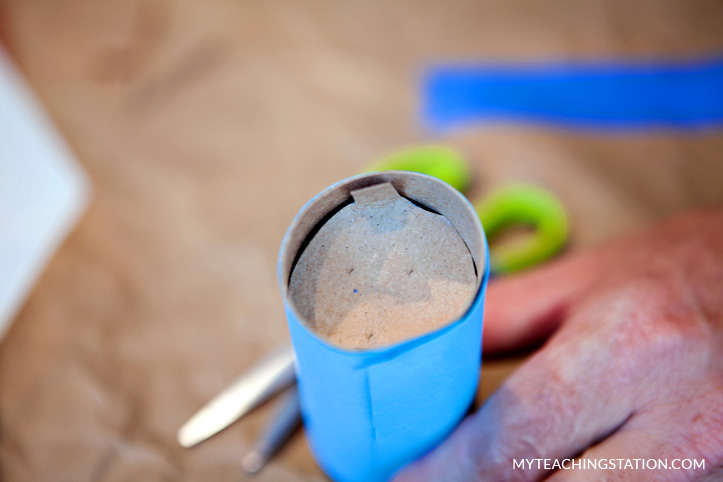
[205, 126]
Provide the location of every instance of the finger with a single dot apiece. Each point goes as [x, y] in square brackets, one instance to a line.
[525, 308]
[676, 439]
[652, 446]
[570, 394]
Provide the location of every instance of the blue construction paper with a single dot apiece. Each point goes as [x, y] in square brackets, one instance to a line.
[608, 95]
[368, 413]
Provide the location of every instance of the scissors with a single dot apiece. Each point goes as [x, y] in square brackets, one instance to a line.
[513, 205]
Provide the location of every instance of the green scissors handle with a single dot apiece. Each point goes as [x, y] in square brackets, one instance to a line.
[438, 161]
[526, 205]
[518, 204]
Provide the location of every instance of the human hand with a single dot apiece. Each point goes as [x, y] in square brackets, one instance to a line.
[634, 369]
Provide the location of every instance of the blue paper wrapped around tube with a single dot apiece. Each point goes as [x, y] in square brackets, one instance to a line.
[369, 412]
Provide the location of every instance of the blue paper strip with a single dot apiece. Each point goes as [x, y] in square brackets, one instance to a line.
[368, 414]
[680, 95]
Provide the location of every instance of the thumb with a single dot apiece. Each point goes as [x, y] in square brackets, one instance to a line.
[523, 309]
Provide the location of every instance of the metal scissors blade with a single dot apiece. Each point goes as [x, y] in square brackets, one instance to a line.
[282, 423]
[269, 376]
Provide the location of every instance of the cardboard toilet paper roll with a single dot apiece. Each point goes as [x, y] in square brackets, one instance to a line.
[388, 333]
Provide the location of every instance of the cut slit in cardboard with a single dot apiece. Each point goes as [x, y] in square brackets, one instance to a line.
[369, 412]
[382, 270]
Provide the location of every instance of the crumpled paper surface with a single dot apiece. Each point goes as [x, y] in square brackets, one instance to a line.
[204, 127]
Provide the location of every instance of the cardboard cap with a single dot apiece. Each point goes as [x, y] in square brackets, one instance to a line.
[381, 270]
[425, 192]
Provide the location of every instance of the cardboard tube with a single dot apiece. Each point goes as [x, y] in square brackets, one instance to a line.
[369, 412]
